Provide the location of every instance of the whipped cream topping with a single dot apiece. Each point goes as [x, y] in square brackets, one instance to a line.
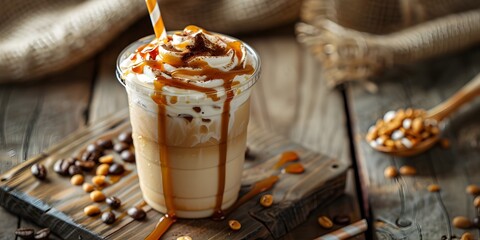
[190, 56]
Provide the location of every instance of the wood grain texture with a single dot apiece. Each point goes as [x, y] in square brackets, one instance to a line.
[403, 208]
[56, 203]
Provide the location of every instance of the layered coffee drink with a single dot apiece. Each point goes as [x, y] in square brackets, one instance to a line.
[189, 109]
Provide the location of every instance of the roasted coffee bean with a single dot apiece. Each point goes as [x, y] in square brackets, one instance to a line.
[234, 225]
[91, 156]
[85, 165]
[74, 170]
[113, 202]
[341, 219]
[461, 222]
[325, 222]
[39, 171]
[476, 222]
[120, 147]
[93, 148]
[116, 169]
[127, 156]
[108, 217]
[61, 166]
[105, 143]
[125, 137]
[136, 213]
[25, 233]
[42, 234]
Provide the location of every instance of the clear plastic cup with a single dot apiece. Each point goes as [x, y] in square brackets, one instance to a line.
[192, 143]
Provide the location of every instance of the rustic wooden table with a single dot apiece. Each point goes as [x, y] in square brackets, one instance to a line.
[291, 99]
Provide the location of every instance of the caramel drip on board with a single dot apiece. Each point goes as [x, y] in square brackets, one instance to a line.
[286, 157]
[162, 226]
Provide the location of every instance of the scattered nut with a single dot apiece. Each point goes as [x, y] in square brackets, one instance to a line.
[42, 234]
[184, 238]
[116, 169]
[341, 219]
[113, 202]
[473, 189]
[97, 196]
[39, 171]
[266, 200]
[433, 188]
[467, 236]
[108, 217]
[98, 180]
[25, 233]
[76, 179]
[234, 225]
[87, 187]
[390, 172]
[102, 169]
[108, 159]
[476, 202]
[325, 222]
[105, 143]
[91, 210]
[136, 213]
[125, 137]
[408, 170]
[461, 222]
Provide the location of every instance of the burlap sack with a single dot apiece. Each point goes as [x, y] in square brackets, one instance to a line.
[358, 39]
[43, 36]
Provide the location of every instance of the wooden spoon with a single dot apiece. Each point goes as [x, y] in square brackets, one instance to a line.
[438, 113]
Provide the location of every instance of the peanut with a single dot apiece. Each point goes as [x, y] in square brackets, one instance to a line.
[433, 188]
[102, 169]
[473, 189]
[98, 180]
[234, 225]
[266, 200]
[97, 196]
[476, 202]
[467, 236]
[76, 179]
[461, 222]
[325, 222]
[108, 159]
[390, 172]
[91, 210]
[87, 187]
[408, 170]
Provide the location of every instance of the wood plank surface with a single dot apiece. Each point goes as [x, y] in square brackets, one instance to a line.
[55, 202]
[402, 208]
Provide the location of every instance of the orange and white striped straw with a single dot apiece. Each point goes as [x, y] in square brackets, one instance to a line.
[346, 232]
[156, 18]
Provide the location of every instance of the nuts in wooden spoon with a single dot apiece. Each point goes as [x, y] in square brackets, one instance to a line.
[402, 129]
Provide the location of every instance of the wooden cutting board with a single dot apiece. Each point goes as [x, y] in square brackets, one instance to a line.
[57, 204]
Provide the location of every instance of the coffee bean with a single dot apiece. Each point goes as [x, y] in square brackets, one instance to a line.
[476, 222]
[93, 148]
[61, 166]
[39, 171]
[125, 137]
[42, 234]
[105, 143]
[85, 165]
[91, 156]
[127, 156]
[25, 233]
[74, 170]
[113, 202]
[325, 222]
[116, 169]
[120, 147]
[341, 219]
[108, 217]
[136, 213]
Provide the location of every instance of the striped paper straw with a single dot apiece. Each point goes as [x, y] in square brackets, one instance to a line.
[346, 232]
[156, 18]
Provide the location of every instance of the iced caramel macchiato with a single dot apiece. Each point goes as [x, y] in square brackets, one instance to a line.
[189, 109]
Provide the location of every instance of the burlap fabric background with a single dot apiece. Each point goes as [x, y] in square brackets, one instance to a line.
[358, 39]
[43, 36]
